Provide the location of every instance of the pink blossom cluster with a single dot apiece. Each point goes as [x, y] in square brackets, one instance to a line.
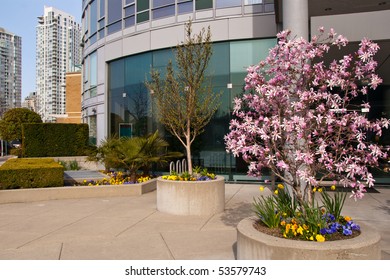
[297, 116]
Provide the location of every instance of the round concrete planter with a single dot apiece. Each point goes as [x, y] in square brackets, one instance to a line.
[255, 245]
[191, 197]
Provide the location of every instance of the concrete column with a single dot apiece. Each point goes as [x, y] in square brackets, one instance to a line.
[296, 17]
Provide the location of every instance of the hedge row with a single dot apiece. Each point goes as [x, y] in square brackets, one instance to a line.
[20, 173]
[54, 139]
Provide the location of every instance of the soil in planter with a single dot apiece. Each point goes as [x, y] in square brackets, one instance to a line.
[260, 226]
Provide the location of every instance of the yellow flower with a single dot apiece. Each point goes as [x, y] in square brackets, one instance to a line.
[261, 188]
[280, 186]
[347, 218]
[311, 238]
[320, 238]
[85, 181]
[320, 190]
[283, 223]
[276, 192]
[300, 230]
[314, 189]
[333, 187]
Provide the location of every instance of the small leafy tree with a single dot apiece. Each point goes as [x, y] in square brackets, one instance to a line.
[298, 117]
[134, 153]
[11, 123]
[184, 98]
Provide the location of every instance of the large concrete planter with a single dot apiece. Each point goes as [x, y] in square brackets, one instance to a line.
[255, 245]
[75, 192]
[191, 197]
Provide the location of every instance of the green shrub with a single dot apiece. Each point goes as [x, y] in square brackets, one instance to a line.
[55, 140]
[22, 173]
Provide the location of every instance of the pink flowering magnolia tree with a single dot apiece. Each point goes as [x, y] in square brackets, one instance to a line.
[297, 117]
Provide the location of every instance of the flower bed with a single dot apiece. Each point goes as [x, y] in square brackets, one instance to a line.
[315, 223]
[116, 178]
[253, 244]
[197, 175]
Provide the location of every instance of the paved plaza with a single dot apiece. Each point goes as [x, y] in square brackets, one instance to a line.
[128, 228]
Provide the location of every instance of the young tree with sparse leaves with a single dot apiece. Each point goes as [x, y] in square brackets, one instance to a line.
[184, 97]
[298, 117]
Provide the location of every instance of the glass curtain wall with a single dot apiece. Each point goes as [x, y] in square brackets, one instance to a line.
[131, 111]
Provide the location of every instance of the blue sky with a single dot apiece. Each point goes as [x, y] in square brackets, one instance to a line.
[20, 17]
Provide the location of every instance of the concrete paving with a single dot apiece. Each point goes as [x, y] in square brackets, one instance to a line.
[131, 227]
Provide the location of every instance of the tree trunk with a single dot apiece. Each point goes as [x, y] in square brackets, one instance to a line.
[189, 157]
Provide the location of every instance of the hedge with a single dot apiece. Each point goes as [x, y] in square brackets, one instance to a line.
[20, 173]
[54, 139]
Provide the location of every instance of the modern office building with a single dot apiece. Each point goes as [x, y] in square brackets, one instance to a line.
[10, 71]
[124, 39]
[57, 52]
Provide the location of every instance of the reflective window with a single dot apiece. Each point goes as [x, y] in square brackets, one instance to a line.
[114, 11]
[129, 11]
[160, 3]
[141, 17]
[164, 12]
[102, 8]
[93, 69]
[130, 2]
[269, 8]
[185, 7]
[251, 2]
[203, 4]
[130, 21]
[114, 27]
[101, 33]
[227, 3]
[93, 17]
[101, 23]
[142, 5]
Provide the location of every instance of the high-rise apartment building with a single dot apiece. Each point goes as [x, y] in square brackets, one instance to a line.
[10, 71]
[57, 52]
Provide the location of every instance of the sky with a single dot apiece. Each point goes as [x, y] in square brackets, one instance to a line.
[20, 18]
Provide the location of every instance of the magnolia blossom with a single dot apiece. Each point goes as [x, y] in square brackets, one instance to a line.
[297, 118]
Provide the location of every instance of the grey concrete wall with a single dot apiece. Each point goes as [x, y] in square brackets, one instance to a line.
[373, 25]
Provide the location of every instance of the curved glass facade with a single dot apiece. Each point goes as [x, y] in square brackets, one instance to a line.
[130, 110]
[102, 17]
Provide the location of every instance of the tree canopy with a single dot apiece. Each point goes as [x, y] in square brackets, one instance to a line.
[11, 123]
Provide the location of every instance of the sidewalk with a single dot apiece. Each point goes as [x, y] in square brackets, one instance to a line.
[131, 227]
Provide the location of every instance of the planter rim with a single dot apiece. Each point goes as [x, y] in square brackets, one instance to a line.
[367, 236]
[217, 178]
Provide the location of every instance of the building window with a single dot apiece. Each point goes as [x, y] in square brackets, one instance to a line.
[102, 8]
[93, 18]
[161, 3]
[227, 3]
[252, 2]
[142, 11]
[93, 69]
[164, 12]
[114, 11]
[129, 11]
[203, 4]
[185, 6]
[142, 5]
